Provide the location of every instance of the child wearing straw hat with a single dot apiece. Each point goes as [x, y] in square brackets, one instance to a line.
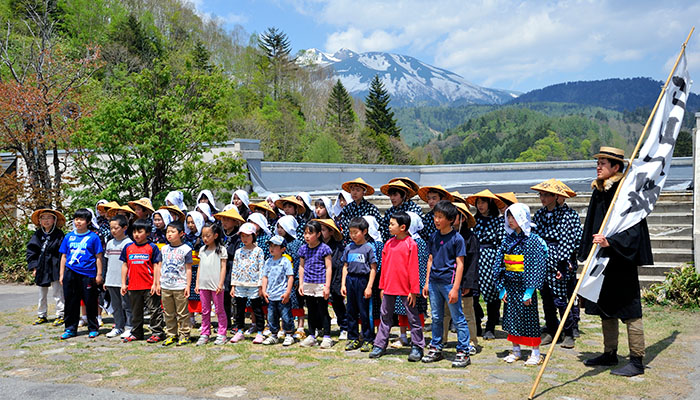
[44, 261]
[431, 195]
[295, 208]
[520, 270]
[102, 221]
[359, 207]
[143, 209]
[400, 195]
[550, 225]
[489, 230]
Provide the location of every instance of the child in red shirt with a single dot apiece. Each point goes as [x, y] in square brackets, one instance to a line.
[399, 278]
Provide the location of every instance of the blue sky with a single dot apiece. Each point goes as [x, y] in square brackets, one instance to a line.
[515, 45]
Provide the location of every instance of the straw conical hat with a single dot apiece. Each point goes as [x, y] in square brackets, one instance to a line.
[507, 197]
[60, 218]
[423, 192]
[332, 226]
[458, 198]
[550, 186]
[486, 194]
[176, 210]
[369, 190]
[104, 207]
[414, 186]
[263, 205]
[291, 199]
[567, 189]
[144, 202]
[113, 211]
[400, 185]
[230, 213]
[464, 210]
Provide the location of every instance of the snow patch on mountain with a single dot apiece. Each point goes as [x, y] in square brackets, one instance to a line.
[409, 81]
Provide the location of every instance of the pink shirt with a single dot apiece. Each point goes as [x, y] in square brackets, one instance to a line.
[399, 275]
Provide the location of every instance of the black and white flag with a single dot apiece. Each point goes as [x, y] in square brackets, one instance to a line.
[642, 186]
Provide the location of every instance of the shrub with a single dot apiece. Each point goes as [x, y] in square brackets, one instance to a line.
[681, 289]
[13, 247]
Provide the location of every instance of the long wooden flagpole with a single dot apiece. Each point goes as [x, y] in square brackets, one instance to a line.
[605, 221]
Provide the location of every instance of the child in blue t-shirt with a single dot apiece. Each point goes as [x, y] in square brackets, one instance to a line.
[445, 269]
[277, 281]
[81, 273]
[359, 272]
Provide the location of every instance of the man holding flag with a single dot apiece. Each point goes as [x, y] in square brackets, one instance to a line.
[619, 297]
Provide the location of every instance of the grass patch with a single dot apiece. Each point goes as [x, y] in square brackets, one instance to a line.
[294, 372]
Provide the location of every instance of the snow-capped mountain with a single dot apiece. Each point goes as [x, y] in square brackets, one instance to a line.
[409, 81]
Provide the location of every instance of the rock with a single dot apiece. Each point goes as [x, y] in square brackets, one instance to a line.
[53, 351]
[491, 391]
[105, 349]
[307, 365]
[284, 362]
[174, 390]
[120, 372]
[60, 357]
[395, 359]
[228, 357]
[164, 356]
[256, 357]
[135, 382]
[269, 373]
[91, 378]
[198, 358]
[12, 353]
[231, 392]
[20, 372]
[232, 366]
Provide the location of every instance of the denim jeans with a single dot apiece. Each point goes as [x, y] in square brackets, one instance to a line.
[439, 295]
[276, 309]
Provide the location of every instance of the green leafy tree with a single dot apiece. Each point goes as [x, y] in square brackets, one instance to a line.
[379, 117]
[340, 116]
[150, 136]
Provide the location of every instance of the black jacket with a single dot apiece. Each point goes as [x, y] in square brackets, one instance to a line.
[44, 257]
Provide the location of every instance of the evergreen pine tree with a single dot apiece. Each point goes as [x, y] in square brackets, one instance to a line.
[379, 117]
[340, 116]
[201, 56]
[276, 49]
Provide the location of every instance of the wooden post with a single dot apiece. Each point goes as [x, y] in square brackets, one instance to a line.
[605, 221]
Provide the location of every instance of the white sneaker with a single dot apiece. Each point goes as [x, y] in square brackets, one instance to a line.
[272, 339]
[82, 322]
[266, 332]
[288, 340]
[126, 334]
[399, 343]
[343, 335]
[281, 334]
[326, 343]
[310, 341]
[203, 339]
[220, 339]
[114, 333]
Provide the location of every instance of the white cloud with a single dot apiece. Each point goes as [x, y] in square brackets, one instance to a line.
[506, 41]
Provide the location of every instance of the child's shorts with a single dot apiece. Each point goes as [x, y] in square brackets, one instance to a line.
[250, 292]
[313, 289]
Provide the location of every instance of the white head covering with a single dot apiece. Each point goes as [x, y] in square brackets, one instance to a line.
[243, 195]
[416, 224]
[165, 215]
[307, 201]
[289, 224]
[93, 221]
[336, 205]
[329, 209]
[102, 201]
[210, 196]
[198, 222]
[273, 197]
[373, 230]
[259, 220]
[176, 198]
[205, 209]
[521, 213]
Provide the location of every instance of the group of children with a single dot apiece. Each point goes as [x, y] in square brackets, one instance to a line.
[291, 256]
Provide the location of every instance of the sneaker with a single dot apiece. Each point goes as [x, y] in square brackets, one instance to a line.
[114, 332]
[343, 335]
[416, 354]
[461, 360]
[40, 320]
[126, 334]
[546, 339]
[288, 340]
[154, 339]
[399, 343]
[99, 321]
[168, 341]
[67, 334]
[203, 339]
[220, 339]
[366, 347]
[577, 333]
[377, 352]
[299, 334]
[472, 350]
[433, 355]
[259, 338]
[183, 341]
[250, 330]
[82, 322]
[237, 337]
[326, 343]
[568, 342]
[488, 335]
[58, 321]
[281, 334]
[511, 358]
[93, 334]
[533, 360]
[129, 338]
[353, 345]
[309, 341]
[266, 332]
[634, 368]
[272, 339]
